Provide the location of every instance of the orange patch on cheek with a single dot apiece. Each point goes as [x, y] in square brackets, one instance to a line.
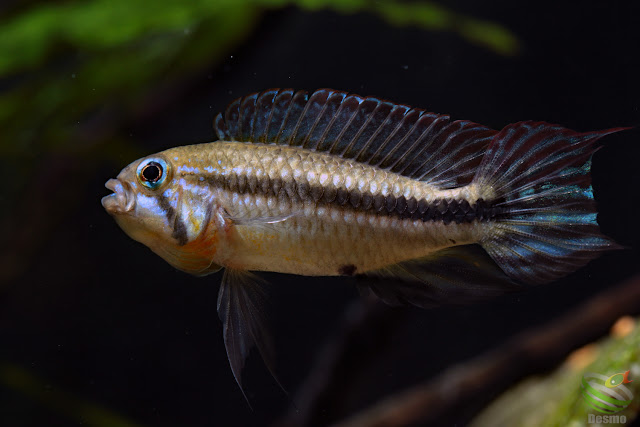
[197, 256]
[206, 244]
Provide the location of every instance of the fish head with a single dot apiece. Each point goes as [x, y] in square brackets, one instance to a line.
[154, 206]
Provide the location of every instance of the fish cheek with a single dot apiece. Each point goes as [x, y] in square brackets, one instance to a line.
[196, 256]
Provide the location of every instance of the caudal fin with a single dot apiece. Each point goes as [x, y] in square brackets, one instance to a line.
[539, 176]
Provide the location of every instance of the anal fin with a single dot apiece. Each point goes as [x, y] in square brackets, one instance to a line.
[457, 275]
[241, 302]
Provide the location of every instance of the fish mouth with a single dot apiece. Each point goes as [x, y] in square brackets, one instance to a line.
[121, 201]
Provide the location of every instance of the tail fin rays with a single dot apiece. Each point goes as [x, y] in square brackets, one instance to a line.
[541, 174]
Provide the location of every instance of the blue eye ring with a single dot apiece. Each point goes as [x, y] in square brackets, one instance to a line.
[152, 173]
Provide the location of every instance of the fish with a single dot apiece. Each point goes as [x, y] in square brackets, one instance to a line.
[418, 208]
[618, 379]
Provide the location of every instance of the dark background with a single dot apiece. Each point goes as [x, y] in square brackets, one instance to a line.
[98, 316]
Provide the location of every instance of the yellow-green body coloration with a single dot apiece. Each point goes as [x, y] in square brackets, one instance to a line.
[421, 209]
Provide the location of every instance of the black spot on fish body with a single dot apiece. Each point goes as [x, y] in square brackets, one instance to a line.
[347, 270]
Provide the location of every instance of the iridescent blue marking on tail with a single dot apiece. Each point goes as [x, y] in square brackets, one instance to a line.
[542, 174]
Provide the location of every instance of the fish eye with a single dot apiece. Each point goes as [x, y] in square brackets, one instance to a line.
[152, 173]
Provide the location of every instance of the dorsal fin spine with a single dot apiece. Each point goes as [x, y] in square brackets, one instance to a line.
[375, 134]
[407, 111]
[415, 144]
[322, 111]
[420, 146]
[440, 148]
[279, 138]
[273, 93]
[344, 128]
[387, 139]
[331, 121]
[399, 143]
[458, 164]
[276, 112]
[303, 115]
[354, 139]
[302, 118]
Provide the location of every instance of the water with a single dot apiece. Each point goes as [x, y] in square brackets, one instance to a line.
[91, 313]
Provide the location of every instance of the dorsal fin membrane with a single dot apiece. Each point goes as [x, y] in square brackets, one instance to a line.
[408, 141]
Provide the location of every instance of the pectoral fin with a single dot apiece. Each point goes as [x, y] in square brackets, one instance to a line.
[238, 220]
[457, 275]
[241, 303]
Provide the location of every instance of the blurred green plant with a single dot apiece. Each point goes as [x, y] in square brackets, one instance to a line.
[556, 400]
[105, 54]
[29, 38]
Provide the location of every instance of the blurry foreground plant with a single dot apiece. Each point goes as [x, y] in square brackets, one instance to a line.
[556, 400]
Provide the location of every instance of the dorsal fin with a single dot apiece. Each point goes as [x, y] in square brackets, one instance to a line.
[408, 141]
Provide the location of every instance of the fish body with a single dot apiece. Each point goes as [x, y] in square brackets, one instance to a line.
[340, 215]
[426, 210]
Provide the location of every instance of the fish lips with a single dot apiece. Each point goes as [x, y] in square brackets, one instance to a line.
[121, 201]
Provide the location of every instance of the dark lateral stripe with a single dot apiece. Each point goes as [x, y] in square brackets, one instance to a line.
[179, 230]
[445, 210]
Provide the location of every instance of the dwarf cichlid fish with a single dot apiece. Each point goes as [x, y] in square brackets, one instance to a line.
[421, 209]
